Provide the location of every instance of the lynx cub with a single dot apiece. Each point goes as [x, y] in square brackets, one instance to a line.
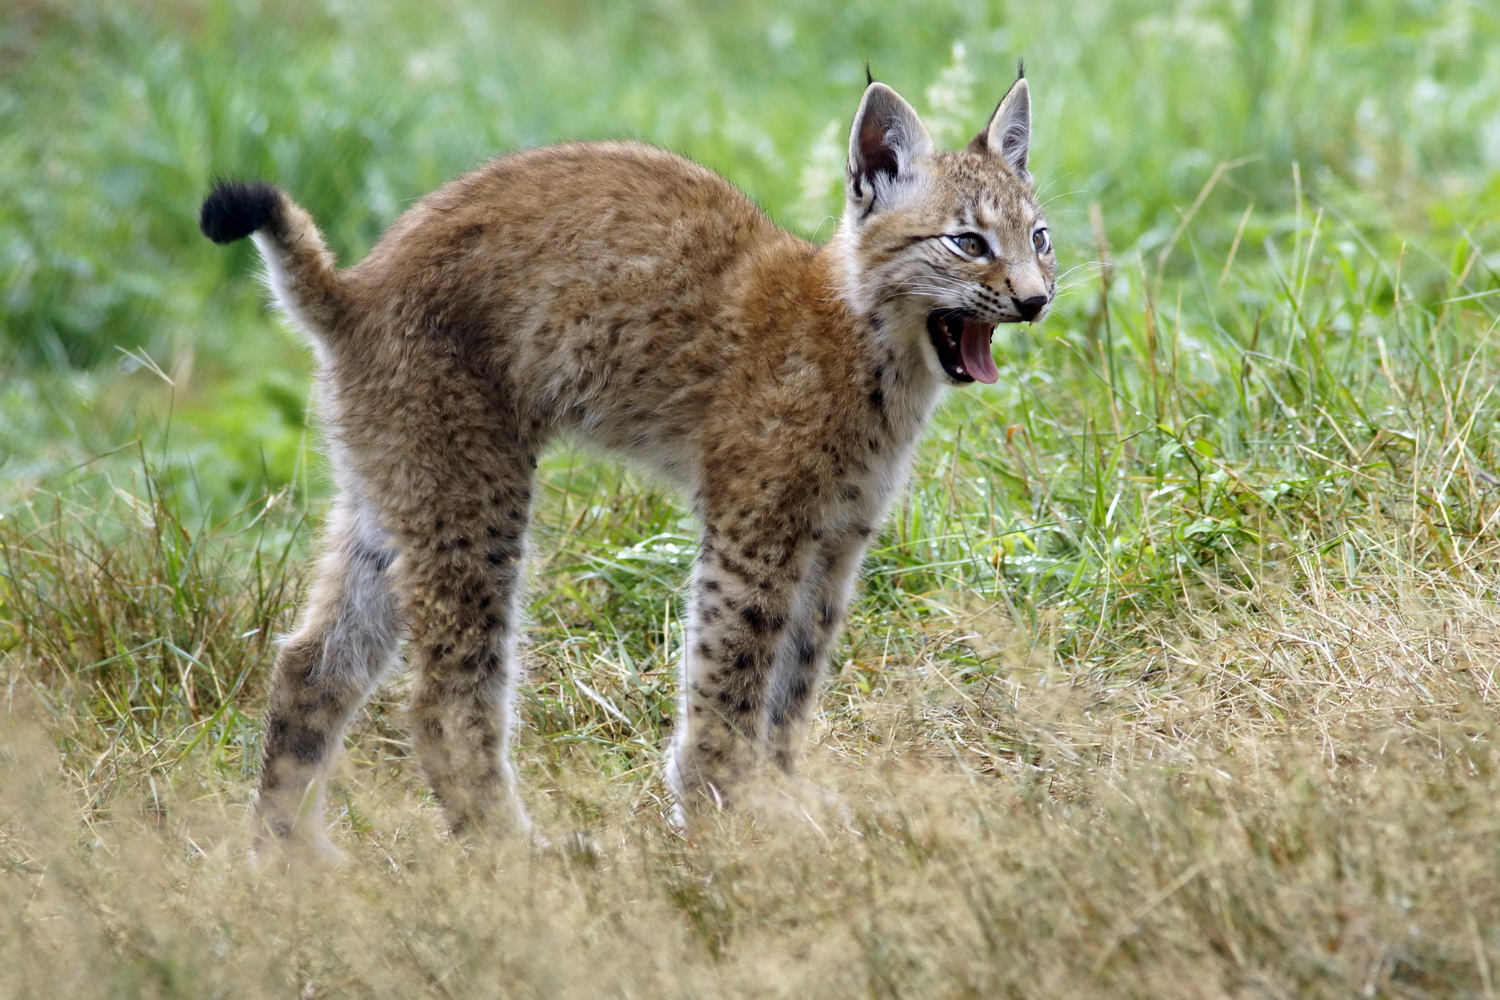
[633, 299]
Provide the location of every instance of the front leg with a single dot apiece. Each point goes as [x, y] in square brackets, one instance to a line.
[742, 595]
[818, 615]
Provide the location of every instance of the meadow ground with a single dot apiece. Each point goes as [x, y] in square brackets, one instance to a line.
[1175, 669]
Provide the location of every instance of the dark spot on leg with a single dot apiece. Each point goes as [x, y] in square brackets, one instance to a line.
[377, 559]
[489, 740]
[755, 617]
[275, 732]
[305, 744]
[734, 568]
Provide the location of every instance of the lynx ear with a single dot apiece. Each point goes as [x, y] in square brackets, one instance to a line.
[885, 144]
[1008, 135]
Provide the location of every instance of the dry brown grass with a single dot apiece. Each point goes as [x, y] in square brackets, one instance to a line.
[1294, 801]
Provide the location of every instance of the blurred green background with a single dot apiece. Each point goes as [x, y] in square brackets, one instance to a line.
[114, 118]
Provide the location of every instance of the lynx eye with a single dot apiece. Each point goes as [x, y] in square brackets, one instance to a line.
[1041, 241]
[968, 245]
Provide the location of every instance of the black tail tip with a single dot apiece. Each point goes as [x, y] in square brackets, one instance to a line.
[235, 209]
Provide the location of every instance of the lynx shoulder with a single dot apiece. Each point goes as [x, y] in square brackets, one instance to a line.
[630, 298]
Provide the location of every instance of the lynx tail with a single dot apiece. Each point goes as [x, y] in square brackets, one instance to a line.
[299, 267]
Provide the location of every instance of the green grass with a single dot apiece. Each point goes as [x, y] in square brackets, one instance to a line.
[1174, 673]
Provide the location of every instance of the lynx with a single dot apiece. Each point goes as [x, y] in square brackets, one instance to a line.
[634, 300]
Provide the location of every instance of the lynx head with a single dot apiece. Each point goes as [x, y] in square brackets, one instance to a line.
[944, 245]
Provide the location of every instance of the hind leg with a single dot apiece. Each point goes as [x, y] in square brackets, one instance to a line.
[459, 579]
[345, 638]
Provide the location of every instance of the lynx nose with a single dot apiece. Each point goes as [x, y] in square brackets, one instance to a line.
[1029, 308]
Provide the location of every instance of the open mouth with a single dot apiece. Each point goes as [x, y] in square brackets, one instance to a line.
[962, 341]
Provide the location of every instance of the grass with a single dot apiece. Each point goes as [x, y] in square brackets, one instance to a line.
[1174, 673]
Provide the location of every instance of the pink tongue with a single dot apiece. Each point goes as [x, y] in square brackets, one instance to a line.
[974, 348]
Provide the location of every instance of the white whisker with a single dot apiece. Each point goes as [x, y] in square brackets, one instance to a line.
[1091, 266]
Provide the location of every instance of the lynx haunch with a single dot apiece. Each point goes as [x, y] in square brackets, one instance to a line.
[634, 300]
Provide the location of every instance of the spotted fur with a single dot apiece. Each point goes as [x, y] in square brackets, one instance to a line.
[629, 298]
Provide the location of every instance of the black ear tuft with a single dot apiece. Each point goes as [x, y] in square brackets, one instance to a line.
[1020, 69]
[235, 209]
[869, 77]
